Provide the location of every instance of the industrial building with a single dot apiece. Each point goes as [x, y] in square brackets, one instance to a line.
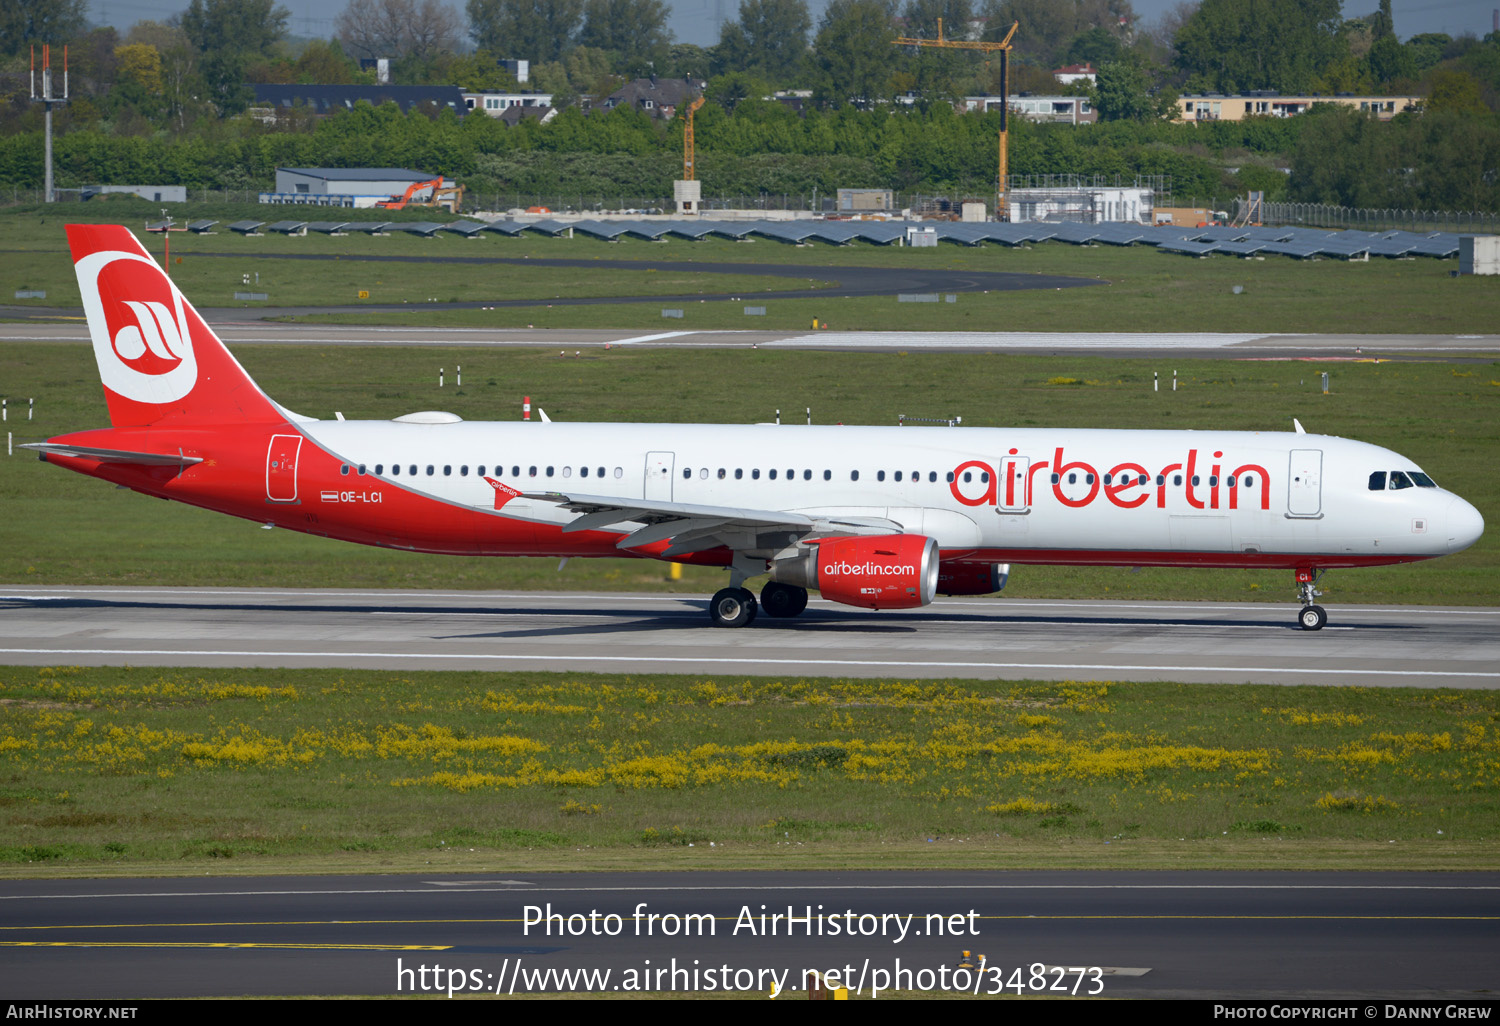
[342, 186]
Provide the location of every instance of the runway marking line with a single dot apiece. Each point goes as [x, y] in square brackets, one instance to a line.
[737, 661]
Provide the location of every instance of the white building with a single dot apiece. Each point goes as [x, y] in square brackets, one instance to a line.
[496, 104]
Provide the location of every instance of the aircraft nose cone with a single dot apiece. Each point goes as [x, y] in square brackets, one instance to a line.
[1464, 525]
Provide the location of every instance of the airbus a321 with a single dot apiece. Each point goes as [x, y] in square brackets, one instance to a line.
[874, 517]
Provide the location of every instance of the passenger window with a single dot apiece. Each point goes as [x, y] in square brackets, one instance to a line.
[533, 472]
[807, 475]
[1106, 478]
[447, 470]
[1177, 479]
[984, 477]
[1195, 480]
[1072, 479]
[1229, 481]
[1248, 480]
[567, 471]
[583, 471]
[1213, 480]
[430, 469]
[932, 477]
[601, 472]
[755, 474]
[344, 469]
[739, 473]
[1160, 480]
[1056, 479]
[516, 472]
[722, 472]
[703, 473]
[771, 474]
[969, 477]
[827, 475]
[463, 471]
[854, 475]
[687, 473]
[790, 474]
[549, 471]
[479, 470]
[898, 475]
[880, 475]
[1143, 479]
[1088, 478]
[412, 470]
[950, 477]
[379, 469]
[361, 469]
[1399, 480]
[619, 471]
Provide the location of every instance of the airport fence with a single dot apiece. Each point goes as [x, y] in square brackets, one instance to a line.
[1323, 215]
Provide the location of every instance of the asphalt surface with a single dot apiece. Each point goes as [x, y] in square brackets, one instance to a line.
[238, 327]
[1348, 936]
[620, 633]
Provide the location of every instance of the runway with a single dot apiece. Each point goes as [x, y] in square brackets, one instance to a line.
[961, 638]
[1346, 936]
[235, 329]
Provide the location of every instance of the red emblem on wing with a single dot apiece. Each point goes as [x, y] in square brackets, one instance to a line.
[503, 492]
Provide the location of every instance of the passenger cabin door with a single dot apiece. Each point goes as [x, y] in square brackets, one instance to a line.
[281, 468]
[1012, 495]
[659, 475]
[1304, 483]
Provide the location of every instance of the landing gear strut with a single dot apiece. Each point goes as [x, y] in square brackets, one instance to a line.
[781, 600]
[1313, 616]
[732, 607]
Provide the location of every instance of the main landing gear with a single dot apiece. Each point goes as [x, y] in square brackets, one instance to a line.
[782, 600]
[736, 607]
[1313, 616]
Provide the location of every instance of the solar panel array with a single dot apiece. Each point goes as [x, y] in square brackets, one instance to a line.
[1253, 240]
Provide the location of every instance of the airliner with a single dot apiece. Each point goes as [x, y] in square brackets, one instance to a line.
[871, 517]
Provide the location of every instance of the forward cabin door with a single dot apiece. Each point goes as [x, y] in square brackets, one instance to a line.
[1304, 483]
[281, 468]
[659, 475]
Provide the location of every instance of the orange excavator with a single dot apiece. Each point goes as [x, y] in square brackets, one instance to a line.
[450, 198]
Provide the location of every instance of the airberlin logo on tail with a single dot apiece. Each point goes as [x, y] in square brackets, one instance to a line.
[139, 325]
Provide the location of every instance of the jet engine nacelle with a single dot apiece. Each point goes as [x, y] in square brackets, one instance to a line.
[896, 571]
[972, 578]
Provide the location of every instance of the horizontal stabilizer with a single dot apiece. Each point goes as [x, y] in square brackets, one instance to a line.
[84, 452]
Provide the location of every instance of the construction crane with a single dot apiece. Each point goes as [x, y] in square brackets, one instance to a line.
[689, 153]
[1003, 49]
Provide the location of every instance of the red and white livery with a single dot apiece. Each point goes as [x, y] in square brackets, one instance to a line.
[884, 518]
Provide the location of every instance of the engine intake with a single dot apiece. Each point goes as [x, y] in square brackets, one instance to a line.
[896, 571]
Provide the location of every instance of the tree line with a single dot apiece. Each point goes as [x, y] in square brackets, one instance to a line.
[159, 102]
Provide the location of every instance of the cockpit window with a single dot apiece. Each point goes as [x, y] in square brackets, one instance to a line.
[1422, 480]
[1377, 481]
[1399, 480]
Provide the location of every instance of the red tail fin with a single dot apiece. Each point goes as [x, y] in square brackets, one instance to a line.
[157, 358]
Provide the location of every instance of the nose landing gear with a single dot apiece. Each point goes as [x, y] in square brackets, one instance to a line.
[1313, 616]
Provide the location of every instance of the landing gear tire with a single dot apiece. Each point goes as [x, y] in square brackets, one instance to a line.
[783, 600]
[732, 607]
[1312, 618]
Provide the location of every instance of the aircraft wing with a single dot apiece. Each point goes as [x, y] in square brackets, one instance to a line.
[148, 459]
[693, 528]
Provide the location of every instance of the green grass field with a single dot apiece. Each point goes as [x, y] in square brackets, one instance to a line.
[1146, 290]
[145, 770]
[67, 529]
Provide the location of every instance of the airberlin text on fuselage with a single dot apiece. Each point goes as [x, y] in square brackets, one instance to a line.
[1129, 484]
